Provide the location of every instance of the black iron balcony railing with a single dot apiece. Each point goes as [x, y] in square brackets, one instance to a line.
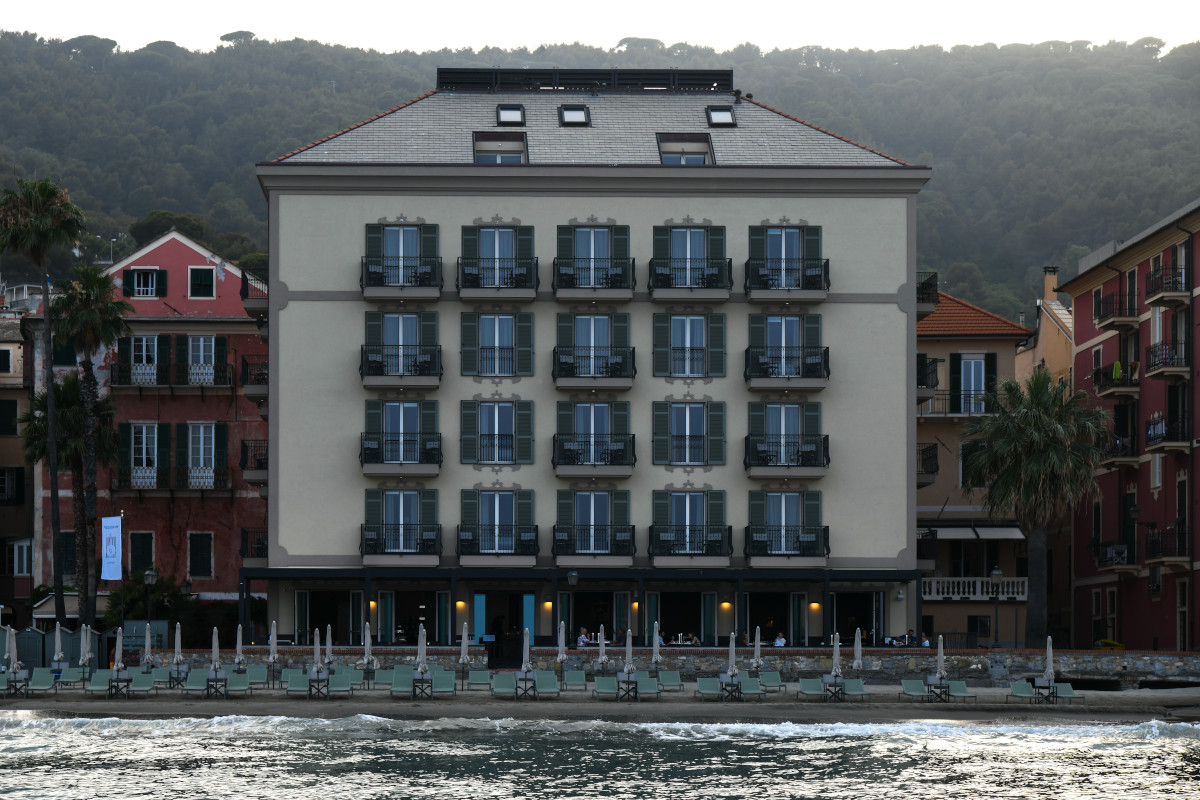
[254, 454]
[1174, 429]
[497, 273]
[593, 449]
[594, 273]
[688, 449]
[516, 540]
[401, 271]
[787, 362]
[779, 450]
[203, 374]
[927, 373]
[688, 361]
[810, 274]
[927, 458]
[1113, 554]
[593, 362]
[1116, 376]
[691, 273]
[969, 402]
[253, 287]
[1120, 446]
[254, 543]
[1174, 542]
[811, 541]
[141, 375]
[691, 540]
[927, 287]
[412, 539]
[927, 544]
[396, 360]
[255, 370]
[1167, 279]
[594, 540]
[1166, 354]
[1117, 304]
[174, 478]
[496, 448]
[497, 360]
[400, 448]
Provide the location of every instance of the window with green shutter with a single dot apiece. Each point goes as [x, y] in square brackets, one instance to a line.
[141, 551]
[201, 282]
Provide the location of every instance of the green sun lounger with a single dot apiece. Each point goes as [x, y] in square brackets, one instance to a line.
[648, 687]
[707, 688]
[42, 680]
[141, 683]
[1064, 691]
[752, 688]
[402, 682]
[606, 686]
[238, 683]
[853, 687]
[295, 681]
[958, 691]
[162, 676]
[70, 677]
[811, 687]
[504, 684]
[341, 682]
[257, 676]
[575, 679]
[545, 684]
[443, 683]
[913, 690]
[1021, 690]
[99, 682]
[769, 680]
[479, 677]
[197, 681]
[669, 680]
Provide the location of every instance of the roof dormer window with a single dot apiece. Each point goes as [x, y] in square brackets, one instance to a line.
[494, 147]
[721, 117]
[574, 116]
[510, 115]
[687, 149]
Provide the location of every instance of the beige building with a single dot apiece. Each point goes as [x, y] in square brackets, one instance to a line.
[608, 347]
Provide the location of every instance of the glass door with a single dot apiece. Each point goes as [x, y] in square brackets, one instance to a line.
[593, 338]
[592, 257]
[592, 430]
[496, 250]
[592, 521]
[399, 344]
[400, 427]
[783, 345]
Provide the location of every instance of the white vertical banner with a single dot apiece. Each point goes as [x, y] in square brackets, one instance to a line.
[110, 540]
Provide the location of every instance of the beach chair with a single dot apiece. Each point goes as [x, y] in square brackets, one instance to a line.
[257, 676]
[197, 681]
[769, 680]
[358, 678]
[853, 687]
[443, 683]
[913, 690]
[707, 688]
[811, 687]
[402, 682]
[1022, 690]
[958, 691]
[479, 677]
[545, 683]
[1064, 691]
[669, 680]
[162, 676]
[606, 686]
[504, 684]
[575, 679]
[648, 687]
[641, 673]
[340, 683]
[70, 677]
[751, 687]
[99, 682]
[141, 683]
[238, 683]
[42, 680]
[295, 681]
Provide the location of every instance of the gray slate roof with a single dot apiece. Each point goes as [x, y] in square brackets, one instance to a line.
[438, 128]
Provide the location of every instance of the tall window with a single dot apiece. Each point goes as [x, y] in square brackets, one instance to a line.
[144, 360]
[593, 426]
[785, 522]
[497, 251]
[401, 515]
[497, 522]
[200, 360]
[785, 345]
[400, 339]
[973, 384]
[783, 257]
[200, 282]
[22, 558]
[496, 433]
[593, 256]
[688, 259]
[200, 551]
[687, 521]
[687, 346]
[200, 455]
[145, 283]
[401, 244]
[401, 429]
[593, 340]
[144, 473]
[141, 551]
[593, 522]
[687, 433]
[497, 353]
[783, 428]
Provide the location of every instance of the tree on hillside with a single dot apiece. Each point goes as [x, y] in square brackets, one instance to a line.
[90, 312]
[36, 218]
[158, 222]
[238, 37]
[1035, 451]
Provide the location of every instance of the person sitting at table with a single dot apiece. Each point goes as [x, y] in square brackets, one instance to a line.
[909, 638]
[583, 640]
[620, 637]
[780, 640]
[745, 638]
[692, 639]
[924, 639]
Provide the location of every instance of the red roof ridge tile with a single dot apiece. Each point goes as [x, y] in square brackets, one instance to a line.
[352, 127]
[822, 130]
[932, 326]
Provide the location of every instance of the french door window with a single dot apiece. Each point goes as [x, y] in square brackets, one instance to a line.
[592, 522]
[496, 433]
[593, 257]
[593, 340]
[592, 431]
[785, 528]
[401, 246]
[497, 351]
[784, 346]
[496, 256]
[972, 385]
[687, 346]
[783, 257]
[401, 433]
[688, 261]
[687, 433]
[200, 360]
[144, 360]
[400, 522]
[144, 468]
[687, 521]
[497, 522]
[400, 344]
[200, 455]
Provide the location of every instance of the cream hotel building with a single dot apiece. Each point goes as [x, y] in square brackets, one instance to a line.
[605, 346]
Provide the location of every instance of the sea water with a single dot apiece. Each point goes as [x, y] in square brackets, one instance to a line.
[361, 758]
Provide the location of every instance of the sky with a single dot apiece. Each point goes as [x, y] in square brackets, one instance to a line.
[770, 24]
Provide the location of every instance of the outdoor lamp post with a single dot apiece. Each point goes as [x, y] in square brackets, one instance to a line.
[997, 574]
[149, 578]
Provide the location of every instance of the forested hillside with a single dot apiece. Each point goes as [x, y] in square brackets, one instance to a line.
[1041, 152]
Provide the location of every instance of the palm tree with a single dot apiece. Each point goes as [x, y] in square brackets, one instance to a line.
[1035, 451]
[69, 437]
[35, 218]
[90, 312]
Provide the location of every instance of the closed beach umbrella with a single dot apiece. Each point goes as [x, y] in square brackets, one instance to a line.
[758, 662]
[941, 662]
[464, 657]
[562, 641]
[317, 649]
[85, 646]
[630, 668]
[368, 660]
[655, 658]
[216, 652]
[857, 649]
[733, 670]
[58, 651]
[1049, 673]
[147, 655]
[238, 658]
[178, 659]
[118, 665]
[836, 670]
[525, 665]
[601, 659]
[422, 667]
[328, 644]
[273, 656]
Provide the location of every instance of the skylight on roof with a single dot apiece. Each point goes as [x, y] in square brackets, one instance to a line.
[721, 117]
[574, 115]
[510, 115]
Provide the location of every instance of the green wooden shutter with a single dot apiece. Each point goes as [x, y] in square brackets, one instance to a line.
[163, 463]
[566, 241]
[566, 418]
[716, 507]
[620, 330]
[716, 244]
[220, 351]
[469, 435]
[620, 507]
[182, 441]
[812, 241]
[523, 339]
[127, 283]
[18, 485]
[660, 419]
[373, 507]
[162, 351]
[620, 242]
[469, 508]
[523, 424]
[470, 242]
[427, 513]
[956, 383]
[661, 361]
[758, 330]
[810, 425]
[125, 445]
[428, 417]
[812, 330]
[758, 419]
[715, 430]
[374, 241]
[221, 446]
[714, 337]
[125, 355]
[989, 372]
[661, 507]
[758, 243]
[429, 241]
[566, 332]
[374, 416]
[429, 328]
[662, 242]
[566, 509]
[922, 362]
[182, 351]
[812, 508]
[620, 418]
[160, 283]
[470, 344]
[758, 508]
[524, 237]
[524, 504]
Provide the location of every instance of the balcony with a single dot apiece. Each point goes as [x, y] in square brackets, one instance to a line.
[171, 480]
[1169, 360]
[141, 376]
[412, 545]
[927, 547]
[177, 378]
[944, 403]
[1117, 310]
[793, 456]
[386, 366]
[974, 588]
[1168, 287]
[1169, 548]
[1118, 556]
[401, 278]
[927, 293]
[1120, 451]
[585, 455]
[254, 462]
[774, 280]
[801, 368]
[690, 279]
[254, 546]
[1113, 380]
[598, 279]
[1168, 435]
[254, 294]
[691, 545]
[927, 463]
[593, 367]
[255, 377]
[787, 545]
[497, 278]
[400, 455]
[927, 379]
[594, 545]
[497, 545]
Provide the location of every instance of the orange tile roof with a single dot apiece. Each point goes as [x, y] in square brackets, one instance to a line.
[955, 317]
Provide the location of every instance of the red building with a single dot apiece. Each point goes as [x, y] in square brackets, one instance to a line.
[185, 385]
[1135, 350]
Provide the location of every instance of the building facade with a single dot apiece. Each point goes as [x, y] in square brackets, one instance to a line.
[16, 582]
[1135, 350]
[605, 347]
